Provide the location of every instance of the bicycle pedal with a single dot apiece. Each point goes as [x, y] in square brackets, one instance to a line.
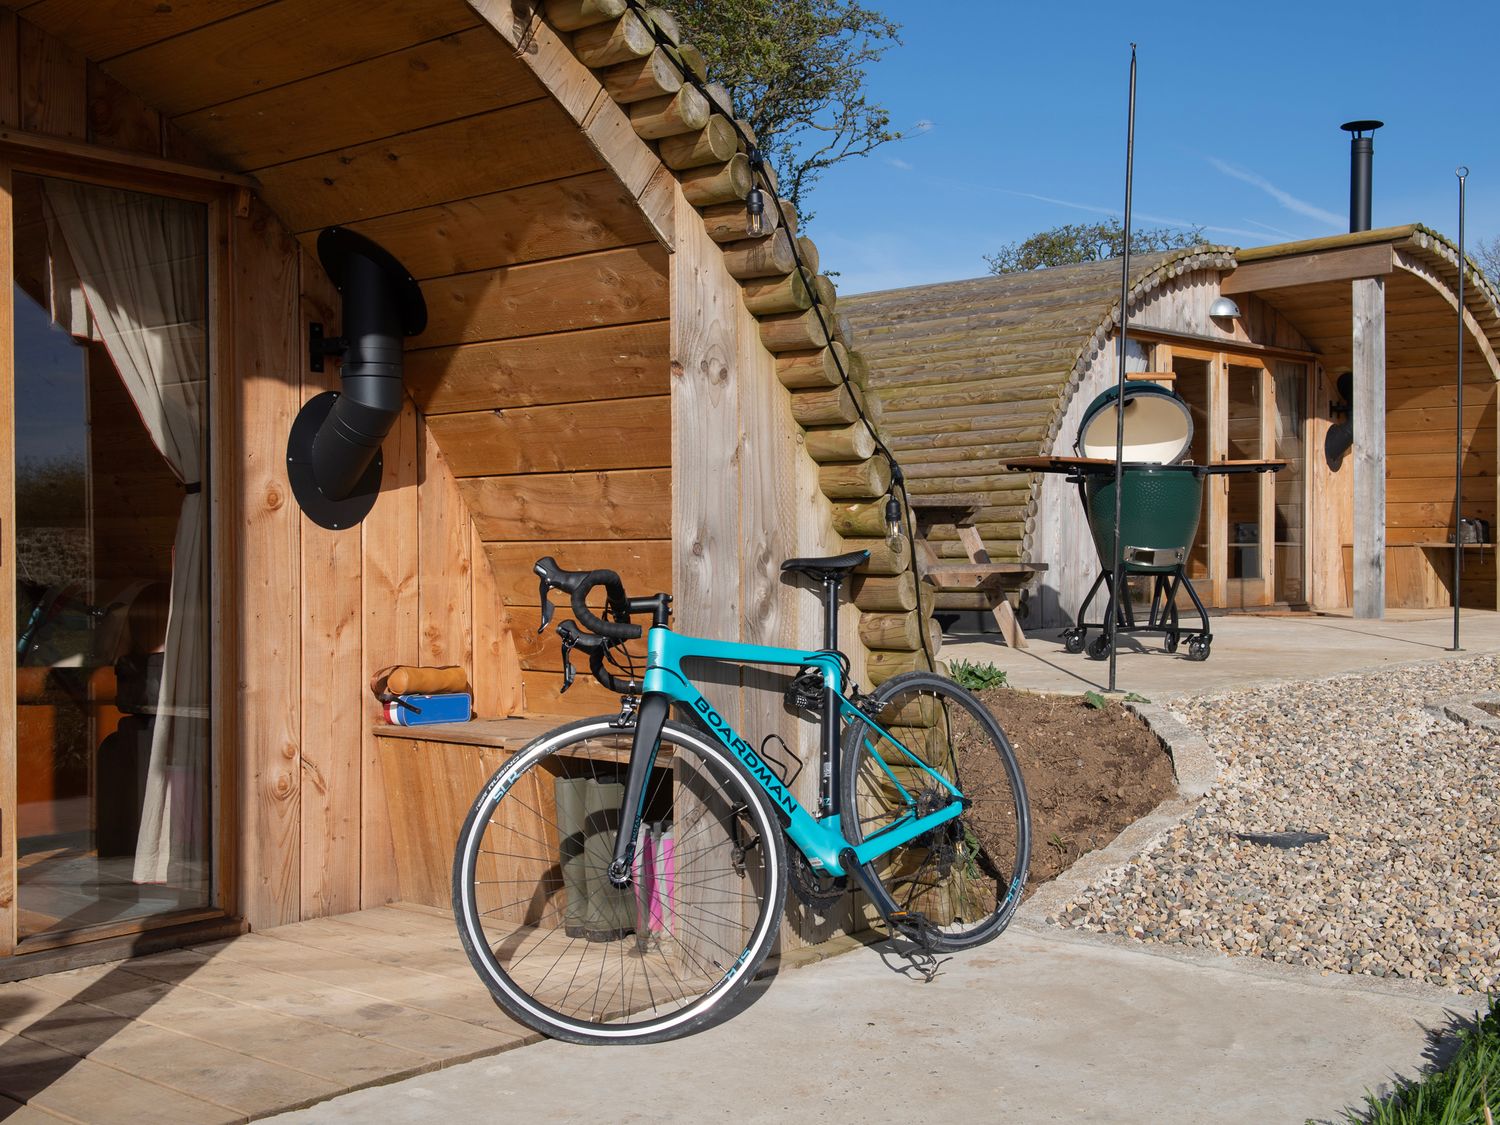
[912, 924]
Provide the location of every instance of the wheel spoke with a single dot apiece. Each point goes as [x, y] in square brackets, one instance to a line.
[564, 950]
[957, 875]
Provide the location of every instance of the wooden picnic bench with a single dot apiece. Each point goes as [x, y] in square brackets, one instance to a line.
[980, 574]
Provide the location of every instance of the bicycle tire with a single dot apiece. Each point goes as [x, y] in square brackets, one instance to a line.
[965, 877]
[682, 942]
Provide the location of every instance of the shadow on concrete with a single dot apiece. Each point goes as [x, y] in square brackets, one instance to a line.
[1443, 1044]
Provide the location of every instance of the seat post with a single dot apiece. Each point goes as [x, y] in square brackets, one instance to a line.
[828, 757]
[831, 584]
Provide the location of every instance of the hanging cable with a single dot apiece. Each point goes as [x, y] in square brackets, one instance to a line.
[755, 222]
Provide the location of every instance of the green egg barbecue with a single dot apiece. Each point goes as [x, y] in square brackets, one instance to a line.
[1160, 501]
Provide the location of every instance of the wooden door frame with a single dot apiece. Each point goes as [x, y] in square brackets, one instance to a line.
[1216, 503]
[9, 907]
[218, 197]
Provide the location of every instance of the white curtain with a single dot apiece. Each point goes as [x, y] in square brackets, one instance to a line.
[139, 263]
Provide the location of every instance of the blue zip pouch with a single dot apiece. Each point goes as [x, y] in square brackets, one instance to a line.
[421, 710]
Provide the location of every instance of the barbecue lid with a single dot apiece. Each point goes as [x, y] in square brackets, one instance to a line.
[1158, 425]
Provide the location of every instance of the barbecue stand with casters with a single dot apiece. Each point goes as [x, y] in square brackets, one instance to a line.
[1160, 505]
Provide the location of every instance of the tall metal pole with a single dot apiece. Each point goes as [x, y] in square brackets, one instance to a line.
[1119, 553]
[1458, 442]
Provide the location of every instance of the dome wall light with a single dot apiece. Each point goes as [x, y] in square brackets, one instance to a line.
[1223, 308]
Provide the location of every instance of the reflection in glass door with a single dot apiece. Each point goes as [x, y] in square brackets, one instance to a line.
[1251, 543]
[111, 638]
[1249, 558]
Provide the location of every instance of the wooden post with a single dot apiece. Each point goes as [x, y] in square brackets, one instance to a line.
[1369, 447]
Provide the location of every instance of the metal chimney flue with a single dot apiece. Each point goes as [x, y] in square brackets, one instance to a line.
[1361, 157]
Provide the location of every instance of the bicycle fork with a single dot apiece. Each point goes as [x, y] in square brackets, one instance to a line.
[650, 718]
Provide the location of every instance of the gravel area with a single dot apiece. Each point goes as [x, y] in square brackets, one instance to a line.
[1407, 883]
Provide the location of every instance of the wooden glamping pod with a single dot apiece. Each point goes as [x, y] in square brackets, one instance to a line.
[609, 373]
[972, 374]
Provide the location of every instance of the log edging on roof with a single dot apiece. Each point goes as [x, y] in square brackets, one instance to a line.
[641, 82]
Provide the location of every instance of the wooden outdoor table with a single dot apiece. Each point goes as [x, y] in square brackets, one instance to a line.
[981, 575]
[1093, 464]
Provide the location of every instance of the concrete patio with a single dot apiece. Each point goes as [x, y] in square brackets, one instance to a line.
[1247, 649]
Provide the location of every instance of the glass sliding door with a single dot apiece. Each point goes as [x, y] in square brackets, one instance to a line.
[1251, 546]
[1249, 558]
[112, 645]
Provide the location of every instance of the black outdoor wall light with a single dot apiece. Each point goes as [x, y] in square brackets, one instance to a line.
[333, 452]
[1340, 437]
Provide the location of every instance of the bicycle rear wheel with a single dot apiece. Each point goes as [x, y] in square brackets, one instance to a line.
[963, 878]
[569, 954]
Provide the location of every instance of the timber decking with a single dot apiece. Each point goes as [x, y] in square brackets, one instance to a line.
[257, 1025]
[248, 1027]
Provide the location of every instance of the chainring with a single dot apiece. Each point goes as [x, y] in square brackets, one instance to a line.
[817, 890]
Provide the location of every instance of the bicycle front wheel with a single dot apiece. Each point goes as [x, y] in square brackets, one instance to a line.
[962, 879]
[565, 951]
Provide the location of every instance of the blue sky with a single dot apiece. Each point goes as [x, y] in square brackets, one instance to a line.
[1016, 118]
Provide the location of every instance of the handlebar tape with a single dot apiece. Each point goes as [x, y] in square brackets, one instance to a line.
[578, 584]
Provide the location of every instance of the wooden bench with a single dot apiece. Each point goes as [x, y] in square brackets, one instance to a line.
[980, 574]
[432, 774]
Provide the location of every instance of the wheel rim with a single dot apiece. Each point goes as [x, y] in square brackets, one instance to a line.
[567, 952]
[965, 877]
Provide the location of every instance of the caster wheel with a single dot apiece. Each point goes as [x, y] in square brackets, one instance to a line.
[1198, 648]
[1072, 640]
[1099, 648]
[1172, 640]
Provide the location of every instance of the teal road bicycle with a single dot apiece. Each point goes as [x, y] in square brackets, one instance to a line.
[621, 879]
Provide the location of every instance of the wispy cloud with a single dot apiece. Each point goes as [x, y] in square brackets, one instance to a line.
[897, 162]
[1273, 230]
[1285, 198]
[1165, 220]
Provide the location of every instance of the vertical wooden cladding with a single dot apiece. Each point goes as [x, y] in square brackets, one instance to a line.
[332, 659]
[264, 308]
[320, 610]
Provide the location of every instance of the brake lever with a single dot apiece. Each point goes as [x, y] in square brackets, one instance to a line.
[547, 608]
[567, 652]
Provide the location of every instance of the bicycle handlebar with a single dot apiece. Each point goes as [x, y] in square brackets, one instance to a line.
[578, 584]
[596, 647]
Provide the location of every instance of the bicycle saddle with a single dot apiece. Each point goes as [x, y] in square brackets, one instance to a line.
[830, 566]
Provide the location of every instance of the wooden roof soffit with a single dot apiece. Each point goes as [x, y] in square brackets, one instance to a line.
[1310, 269]
[605, 124]
[1446, 288]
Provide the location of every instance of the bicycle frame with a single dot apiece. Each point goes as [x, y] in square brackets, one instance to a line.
[822, 840]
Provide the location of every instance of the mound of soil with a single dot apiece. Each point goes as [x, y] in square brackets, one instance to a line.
[1089, 772]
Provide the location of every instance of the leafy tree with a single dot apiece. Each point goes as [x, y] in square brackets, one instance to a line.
[1072, 243]
[795, 70]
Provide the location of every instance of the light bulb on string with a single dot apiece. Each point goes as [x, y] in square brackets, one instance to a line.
[893, 524]
[755, 213]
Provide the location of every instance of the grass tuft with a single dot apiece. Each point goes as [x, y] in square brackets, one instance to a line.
[977, 677]
[1465, 1092]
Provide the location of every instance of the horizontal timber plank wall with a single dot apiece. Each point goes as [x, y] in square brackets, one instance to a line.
[1421, 405]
